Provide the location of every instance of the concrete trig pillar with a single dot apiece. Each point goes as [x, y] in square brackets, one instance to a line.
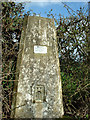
[39, 90]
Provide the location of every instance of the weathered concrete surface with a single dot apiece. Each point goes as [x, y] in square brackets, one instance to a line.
[39, 91]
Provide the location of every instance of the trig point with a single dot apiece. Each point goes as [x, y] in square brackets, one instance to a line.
[39, 90]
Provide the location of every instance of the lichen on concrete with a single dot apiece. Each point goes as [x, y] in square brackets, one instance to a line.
[39, 71]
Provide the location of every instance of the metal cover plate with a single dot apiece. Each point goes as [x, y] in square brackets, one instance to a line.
[40, 49]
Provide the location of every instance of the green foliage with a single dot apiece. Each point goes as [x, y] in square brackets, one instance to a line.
[72, 35]
[12, 19]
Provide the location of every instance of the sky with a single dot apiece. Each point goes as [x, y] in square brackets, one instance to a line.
[57, 7]
[43, 7]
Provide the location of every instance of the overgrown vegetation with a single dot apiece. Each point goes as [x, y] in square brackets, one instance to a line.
[74, 58]
[72, 35]
[12, 18]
